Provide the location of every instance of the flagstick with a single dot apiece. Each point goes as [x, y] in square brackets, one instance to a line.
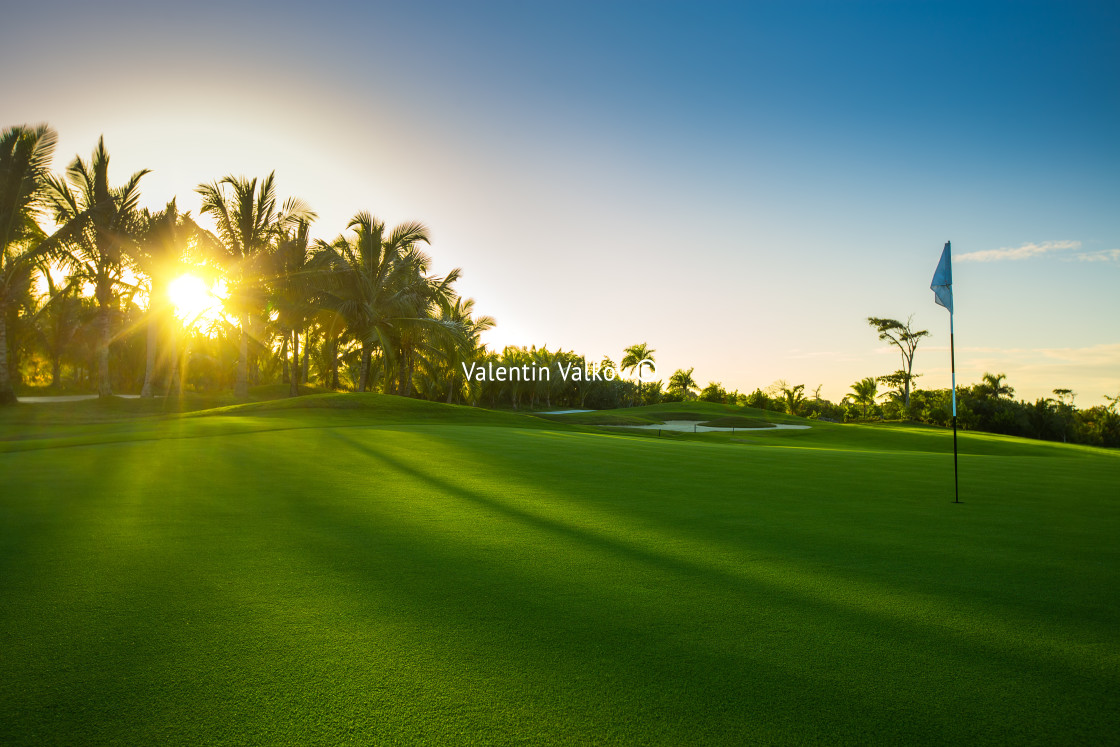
[953, 365]
[942, 287]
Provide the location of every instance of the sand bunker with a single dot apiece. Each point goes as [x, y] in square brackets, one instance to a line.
[693, 426]
[72, 398]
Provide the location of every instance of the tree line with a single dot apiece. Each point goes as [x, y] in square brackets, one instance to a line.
[990, 406]
[987, 406]
[85, 306]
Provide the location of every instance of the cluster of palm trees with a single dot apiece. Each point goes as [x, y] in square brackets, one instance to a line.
[363, 311]
[865, 392]
[559, 386]
[366, 302]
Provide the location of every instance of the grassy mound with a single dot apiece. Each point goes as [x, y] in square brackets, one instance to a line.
[118, 419]
[429, 582]
[119, 408]
[600, 417]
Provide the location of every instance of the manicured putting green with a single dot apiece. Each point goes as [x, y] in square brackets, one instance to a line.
[295, 576]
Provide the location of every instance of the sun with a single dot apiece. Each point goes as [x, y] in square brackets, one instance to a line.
[194, 300]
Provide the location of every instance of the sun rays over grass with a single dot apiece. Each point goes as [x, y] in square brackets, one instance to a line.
[312, 573]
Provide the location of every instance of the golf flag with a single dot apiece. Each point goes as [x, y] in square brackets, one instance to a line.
[942, 285]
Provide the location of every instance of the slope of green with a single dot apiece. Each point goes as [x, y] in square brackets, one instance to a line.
[899, 437]
[120, 408]
[819, 434]
[647, 414]
[384, 578]
[21, 433]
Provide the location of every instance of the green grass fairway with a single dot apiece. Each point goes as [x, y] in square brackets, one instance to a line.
[340, 569]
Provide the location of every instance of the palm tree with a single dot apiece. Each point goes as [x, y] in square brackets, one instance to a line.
[99, 227]
[420, 332]
[515, 357]
[57, 320]
[164, 239]
[363, 275]
[864, 392]
[248, 218]
[25, 156]
[1113, 403]
[634, 355]
[22, 308]
[291, 291]
[793, 396]
[992, 386]
[543, 360]
[583, 386]
[455, 352]
[378, 286]
[682, 381]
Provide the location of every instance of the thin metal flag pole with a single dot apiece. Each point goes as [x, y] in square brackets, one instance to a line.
[942, 287]
[953, 365]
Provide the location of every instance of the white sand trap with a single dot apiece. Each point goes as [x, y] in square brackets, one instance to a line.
[561, 412]
[693, 426]
[72, 398]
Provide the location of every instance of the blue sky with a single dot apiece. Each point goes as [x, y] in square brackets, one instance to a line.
[738, 185]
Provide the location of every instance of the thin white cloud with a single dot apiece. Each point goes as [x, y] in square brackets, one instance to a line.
[1107, 255]
[1107, 353]
[1091, 371]
[1103, 354]
[1015, 253]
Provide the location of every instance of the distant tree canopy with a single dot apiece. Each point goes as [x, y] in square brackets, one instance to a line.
[791, 396]
[988, 406]
[682, 383]
[25, 156]
[864, 393]
[632, 359]
[906, 339]
[714, 392]
[87, 307]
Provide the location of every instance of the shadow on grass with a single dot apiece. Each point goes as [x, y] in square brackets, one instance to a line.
[724, 594]
[286, 588]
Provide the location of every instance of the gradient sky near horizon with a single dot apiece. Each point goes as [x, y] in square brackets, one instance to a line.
[739, 185]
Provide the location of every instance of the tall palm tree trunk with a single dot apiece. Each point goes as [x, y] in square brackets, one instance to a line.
[150, 356]
[332, 349]
[293, 384]
[363, 375]
[7, 393]
[175, 378]
[104, 324]
[408, 373]
[241, 385]
[404, 382]
[306, 367]
[284, 377]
